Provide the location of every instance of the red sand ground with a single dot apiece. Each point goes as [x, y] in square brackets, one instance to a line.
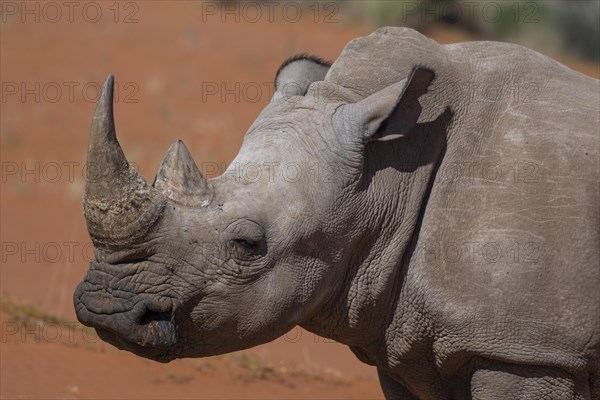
[162, 62]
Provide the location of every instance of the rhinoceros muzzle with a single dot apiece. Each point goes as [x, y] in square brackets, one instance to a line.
[142, 322]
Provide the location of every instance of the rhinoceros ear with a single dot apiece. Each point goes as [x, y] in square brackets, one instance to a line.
[388, 114]
[296, 74]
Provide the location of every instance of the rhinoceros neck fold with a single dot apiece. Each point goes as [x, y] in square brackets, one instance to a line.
[394, 198]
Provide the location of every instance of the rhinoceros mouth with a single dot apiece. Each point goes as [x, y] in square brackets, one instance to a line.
[142, 326]
[153, 353]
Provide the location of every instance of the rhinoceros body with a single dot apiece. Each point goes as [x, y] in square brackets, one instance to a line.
[433, 207]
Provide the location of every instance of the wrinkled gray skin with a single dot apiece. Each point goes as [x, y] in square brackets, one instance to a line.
[364, 252]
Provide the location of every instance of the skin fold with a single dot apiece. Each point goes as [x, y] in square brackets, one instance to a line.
[435, 208]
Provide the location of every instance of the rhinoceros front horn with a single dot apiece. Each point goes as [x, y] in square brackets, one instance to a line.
[119, 206]
[180, 179]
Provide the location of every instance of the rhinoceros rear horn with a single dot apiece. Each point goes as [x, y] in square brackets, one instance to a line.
[119, 206]
[180, 179]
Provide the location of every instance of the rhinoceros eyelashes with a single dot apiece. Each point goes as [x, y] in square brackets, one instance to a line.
[180, 179]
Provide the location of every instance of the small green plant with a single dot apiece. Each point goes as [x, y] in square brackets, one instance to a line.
[254, 368]
[176, 378]
[205, 366]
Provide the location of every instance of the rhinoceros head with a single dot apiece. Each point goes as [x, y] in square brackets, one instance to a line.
[194, 267]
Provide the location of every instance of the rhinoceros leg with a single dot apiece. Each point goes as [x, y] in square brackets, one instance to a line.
[393, 390]
[526, 383]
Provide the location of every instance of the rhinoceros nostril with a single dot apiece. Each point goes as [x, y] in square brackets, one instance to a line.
[155, 316]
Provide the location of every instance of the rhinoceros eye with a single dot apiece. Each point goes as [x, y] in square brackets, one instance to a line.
[246, 240]
[245, 249]
[246, 244]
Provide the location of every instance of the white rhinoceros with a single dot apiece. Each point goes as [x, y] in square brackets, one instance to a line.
[433, 207]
